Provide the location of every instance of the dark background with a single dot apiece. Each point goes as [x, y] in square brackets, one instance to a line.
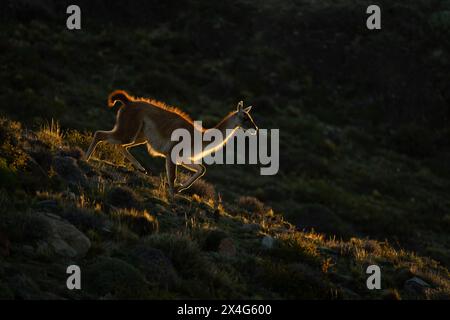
[363, 115]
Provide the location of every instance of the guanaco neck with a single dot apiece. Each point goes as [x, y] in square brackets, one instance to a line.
[227, 123]
[227, 127]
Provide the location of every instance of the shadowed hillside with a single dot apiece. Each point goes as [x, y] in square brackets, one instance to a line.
[364, 148]
[130, 241]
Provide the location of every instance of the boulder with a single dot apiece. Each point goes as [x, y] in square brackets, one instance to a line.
[268, 242]
[63, 238]
[416, 285]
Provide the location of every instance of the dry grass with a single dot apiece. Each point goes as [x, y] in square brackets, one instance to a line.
[51, 134]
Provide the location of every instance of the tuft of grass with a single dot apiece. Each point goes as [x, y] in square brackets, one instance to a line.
[251, 205]
[140, 222]
[51, 134]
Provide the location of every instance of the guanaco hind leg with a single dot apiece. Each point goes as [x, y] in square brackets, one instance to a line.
[199, 171]
[171, 172]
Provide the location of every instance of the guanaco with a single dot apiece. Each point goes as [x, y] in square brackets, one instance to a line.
[151, 122]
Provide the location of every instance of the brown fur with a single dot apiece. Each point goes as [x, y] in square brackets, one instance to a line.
[149, 121]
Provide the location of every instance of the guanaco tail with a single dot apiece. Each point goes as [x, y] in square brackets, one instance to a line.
[145, 121]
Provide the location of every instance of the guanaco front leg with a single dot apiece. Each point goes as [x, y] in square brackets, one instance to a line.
[199, 171]
[99, 136]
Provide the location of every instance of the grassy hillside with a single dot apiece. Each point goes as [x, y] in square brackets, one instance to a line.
[364, 144]
[132, 242]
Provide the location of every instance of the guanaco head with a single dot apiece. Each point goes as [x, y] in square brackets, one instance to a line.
[244, 119]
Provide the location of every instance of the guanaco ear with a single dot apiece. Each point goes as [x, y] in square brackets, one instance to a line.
[248, 109]
[240, 105]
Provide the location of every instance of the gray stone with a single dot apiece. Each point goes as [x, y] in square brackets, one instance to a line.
[268, 242]
[416, 285]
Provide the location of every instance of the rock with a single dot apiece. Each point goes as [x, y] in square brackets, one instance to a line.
[68, 169]
[416, 285]
[227, 247]
[267, 242]
[57, 246]
[64, 239]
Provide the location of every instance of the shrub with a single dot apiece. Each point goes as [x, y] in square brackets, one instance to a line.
[213, 239]
[68, 168]
[73, 152]
[24, 226]
[200, 277]
[203, 189]
[85, 219]
[157, 268]
[43, 157]
[10, 144]
[114, 278]
[252, 205]
[140, 222]
[8, 178]
[123, 197]
[186, 256]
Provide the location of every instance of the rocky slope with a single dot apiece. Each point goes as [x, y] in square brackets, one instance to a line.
[132, 242]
